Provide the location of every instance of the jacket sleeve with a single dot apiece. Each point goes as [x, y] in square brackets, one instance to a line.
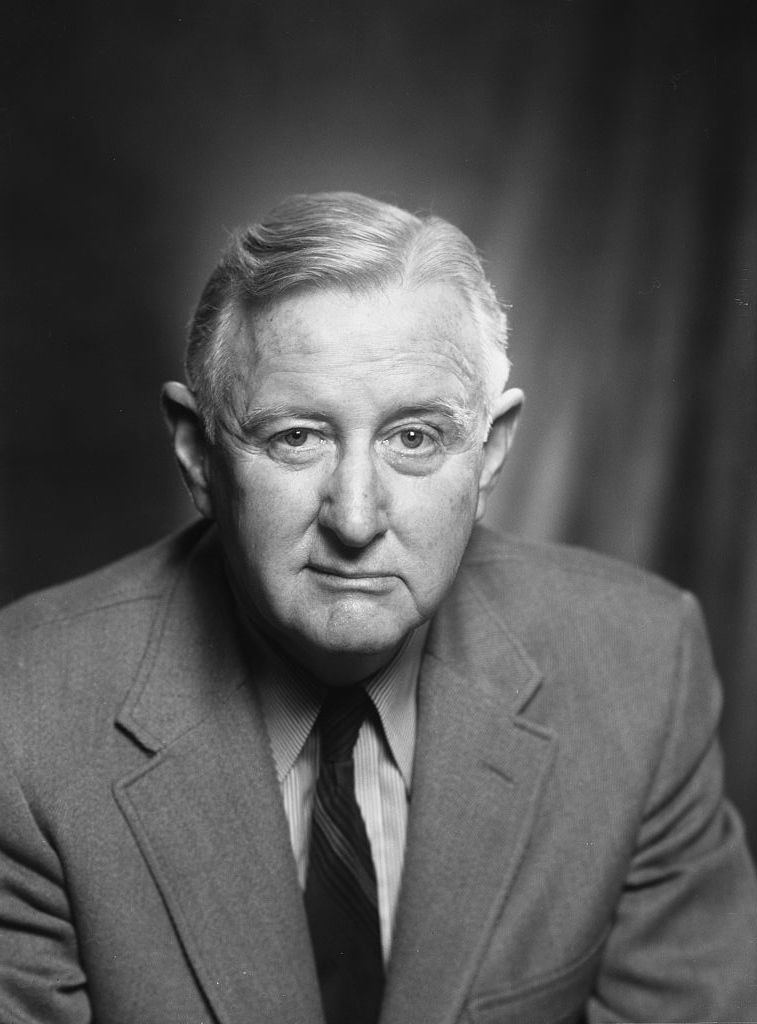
[41, 980]
[684, 942]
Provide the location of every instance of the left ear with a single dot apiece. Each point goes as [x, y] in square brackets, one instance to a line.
[506, 411]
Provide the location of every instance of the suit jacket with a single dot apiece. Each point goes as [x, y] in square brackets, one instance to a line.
[569, 854]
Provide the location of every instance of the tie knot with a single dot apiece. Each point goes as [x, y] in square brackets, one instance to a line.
[339, 721]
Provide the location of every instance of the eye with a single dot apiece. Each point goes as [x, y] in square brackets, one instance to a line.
[411, 438]
[417, 441]
[296, 444]
[296, 437]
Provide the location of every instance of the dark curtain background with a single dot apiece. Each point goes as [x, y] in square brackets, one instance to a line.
[603, 155]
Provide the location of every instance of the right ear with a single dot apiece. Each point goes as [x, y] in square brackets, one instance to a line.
[189, 443]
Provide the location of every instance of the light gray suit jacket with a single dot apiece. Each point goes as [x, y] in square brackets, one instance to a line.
[569, 854]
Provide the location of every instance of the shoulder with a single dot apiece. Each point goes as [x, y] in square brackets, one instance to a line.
[558, 580]
[138, 577]
[621, 654]
[74, 649]
[616, 630]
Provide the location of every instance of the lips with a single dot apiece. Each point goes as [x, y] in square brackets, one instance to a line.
[349, 574]
[351, 581]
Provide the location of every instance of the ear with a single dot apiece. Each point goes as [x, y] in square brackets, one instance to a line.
[506, 411]
[189, 443]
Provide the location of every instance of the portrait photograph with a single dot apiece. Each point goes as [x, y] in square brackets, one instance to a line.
[378, 512]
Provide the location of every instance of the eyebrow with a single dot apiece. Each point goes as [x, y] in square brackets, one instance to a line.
[256, 418]
[463, 417]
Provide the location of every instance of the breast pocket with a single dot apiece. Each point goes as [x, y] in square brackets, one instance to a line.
[558, 998]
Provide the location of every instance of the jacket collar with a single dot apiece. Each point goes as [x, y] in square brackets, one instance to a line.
[194, 658]
[206, 811]
[480, 766]
[207, 814]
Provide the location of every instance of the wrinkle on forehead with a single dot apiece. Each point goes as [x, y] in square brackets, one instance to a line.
[439, 326]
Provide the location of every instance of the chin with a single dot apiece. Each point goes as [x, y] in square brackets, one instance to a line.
[361, 634]
[368, 645]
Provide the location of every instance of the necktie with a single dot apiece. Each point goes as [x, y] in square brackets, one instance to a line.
[340, 889]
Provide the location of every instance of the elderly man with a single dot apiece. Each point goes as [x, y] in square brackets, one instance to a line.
[334, 754]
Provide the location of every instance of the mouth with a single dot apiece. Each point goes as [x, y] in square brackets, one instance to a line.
[348, 574]
[352, 579]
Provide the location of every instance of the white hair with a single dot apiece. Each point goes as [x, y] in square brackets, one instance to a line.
[336, 239]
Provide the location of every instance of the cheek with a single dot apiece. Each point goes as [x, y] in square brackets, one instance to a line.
[267, 511]
[446, 499]
[440, 518]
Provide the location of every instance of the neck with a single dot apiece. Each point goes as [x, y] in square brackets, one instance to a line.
[334, 668]
[344, 669]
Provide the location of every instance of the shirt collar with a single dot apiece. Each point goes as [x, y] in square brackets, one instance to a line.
[291, 701]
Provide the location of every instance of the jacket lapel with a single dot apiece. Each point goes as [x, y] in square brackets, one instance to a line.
[207, 816]
[478, 771]
[206, 811]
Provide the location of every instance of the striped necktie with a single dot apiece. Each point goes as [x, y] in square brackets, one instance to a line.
[340, 890]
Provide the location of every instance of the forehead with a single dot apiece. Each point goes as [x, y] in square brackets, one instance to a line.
[337, 330]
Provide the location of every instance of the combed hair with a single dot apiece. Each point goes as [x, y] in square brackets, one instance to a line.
[334, 239]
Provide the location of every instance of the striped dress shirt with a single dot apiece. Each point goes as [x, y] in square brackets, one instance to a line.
[383, 763]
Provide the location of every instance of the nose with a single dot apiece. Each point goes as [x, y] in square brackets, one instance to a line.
[353, 505]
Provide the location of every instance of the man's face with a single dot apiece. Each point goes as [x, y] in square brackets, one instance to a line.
[345, 482]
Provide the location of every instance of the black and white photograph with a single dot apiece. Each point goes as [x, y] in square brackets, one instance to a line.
[378, 512]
